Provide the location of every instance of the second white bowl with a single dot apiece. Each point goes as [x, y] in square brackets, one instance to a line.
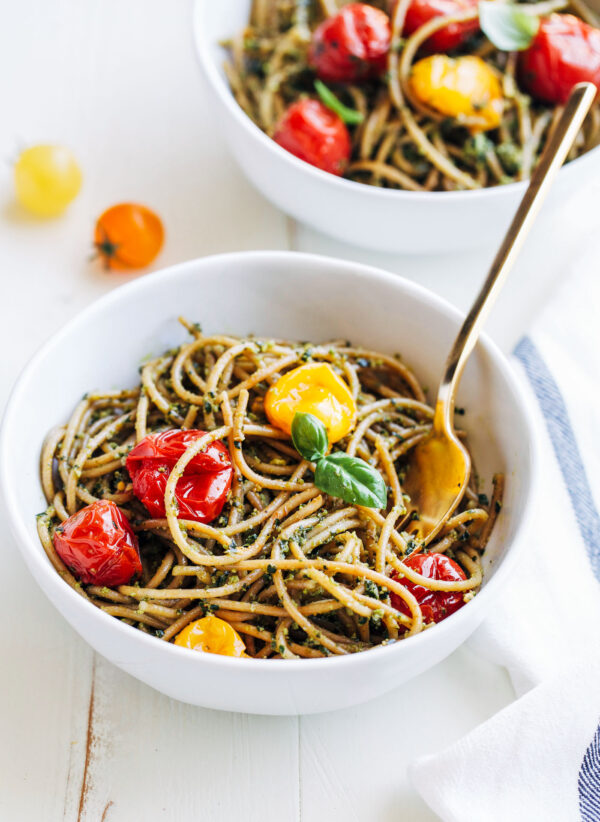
[378, 218]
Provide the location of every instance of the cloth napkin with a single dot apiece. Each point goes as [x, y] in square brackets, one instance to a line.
[539, 758]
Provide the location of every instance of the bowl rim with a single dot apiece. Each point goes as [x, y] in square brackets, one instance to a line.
[203, 50]
[34, 556]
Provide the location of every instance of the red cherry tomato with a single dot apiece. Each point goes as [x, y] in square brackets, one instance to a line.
[451, 36]
[315, 134]
[99, 545]
[435, 605]
[564, 52]
[351, 45]
[202, 490]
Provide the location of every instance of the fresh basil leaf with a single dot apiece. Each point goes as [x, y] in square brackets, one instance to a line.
[309, 436]
[508, 26]
[348, 115]
[351, 479]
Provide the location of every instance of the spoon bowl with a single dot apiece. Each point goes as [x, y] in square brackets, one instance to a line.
[437, 477]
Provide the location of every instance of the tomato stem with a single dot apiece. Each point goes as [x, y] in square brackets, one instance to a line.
[107, 250]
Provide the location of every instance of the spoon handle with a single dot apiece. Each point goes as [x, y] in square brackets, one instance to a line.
[581, 98]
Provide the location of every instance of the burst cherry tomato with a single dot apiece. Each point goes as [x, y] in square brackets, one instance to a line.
[213, 636]
[97, 543]
[435, 605]
[351, 45]
[462, 87]
[202, 490]
[451, 36]
[315, 389]
[128, 236]
[315, 134]
[564, 52]
[47, 178]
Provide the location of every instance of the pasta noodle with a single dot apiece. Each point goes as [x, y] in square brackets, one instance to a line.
[401, 143]
[297, 573]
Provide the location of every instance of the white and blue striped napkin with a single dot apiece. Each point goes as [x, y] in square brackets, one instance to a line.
[538, 760]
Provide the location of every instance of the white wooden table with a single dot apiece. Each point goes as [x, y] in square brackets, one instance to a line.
[79, 740]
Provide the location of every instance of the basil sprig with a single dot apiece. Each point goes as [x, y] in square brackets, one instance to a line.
[348, 115]
[339, 475]
[509, 27]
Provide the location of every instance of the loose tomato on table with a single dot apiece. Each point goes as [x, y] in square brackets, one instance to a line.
[351, 45]
[315, 134]
[314, 389]
[565, 51]
[451, 36]
[211, 635]
[97, 543]
[128, 236]
[202, 490]
[47, 179]
[435, 605]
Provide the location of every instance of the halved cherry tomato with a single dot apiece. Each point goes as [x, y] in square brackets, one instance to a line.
[351, 45]
[314, 389]
[451, 36]
[565, 51]
[128, 236]
[202, 490]
[435, 605]
[211, 635]
[97, 543]
[315, 134]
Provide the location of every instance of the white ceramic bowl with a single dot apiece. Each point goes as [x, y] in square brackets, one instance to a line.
[287, 295]
[382, 219]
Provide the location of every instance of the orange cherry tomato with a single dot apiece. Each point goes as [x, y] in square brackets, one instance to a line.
[128, 236]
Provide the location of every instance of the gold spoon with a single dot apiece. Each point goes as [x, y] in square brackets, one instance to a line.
[439, 467]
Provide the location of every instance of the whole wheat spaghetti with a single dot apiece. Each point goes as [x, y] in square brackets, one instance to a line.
[296, 572]
[401, 143]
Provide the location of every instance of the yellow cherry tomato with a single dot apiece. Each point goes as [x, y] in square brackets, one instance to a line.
[313, 389]
[47, 178]
[211, 635]
[464, 88]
